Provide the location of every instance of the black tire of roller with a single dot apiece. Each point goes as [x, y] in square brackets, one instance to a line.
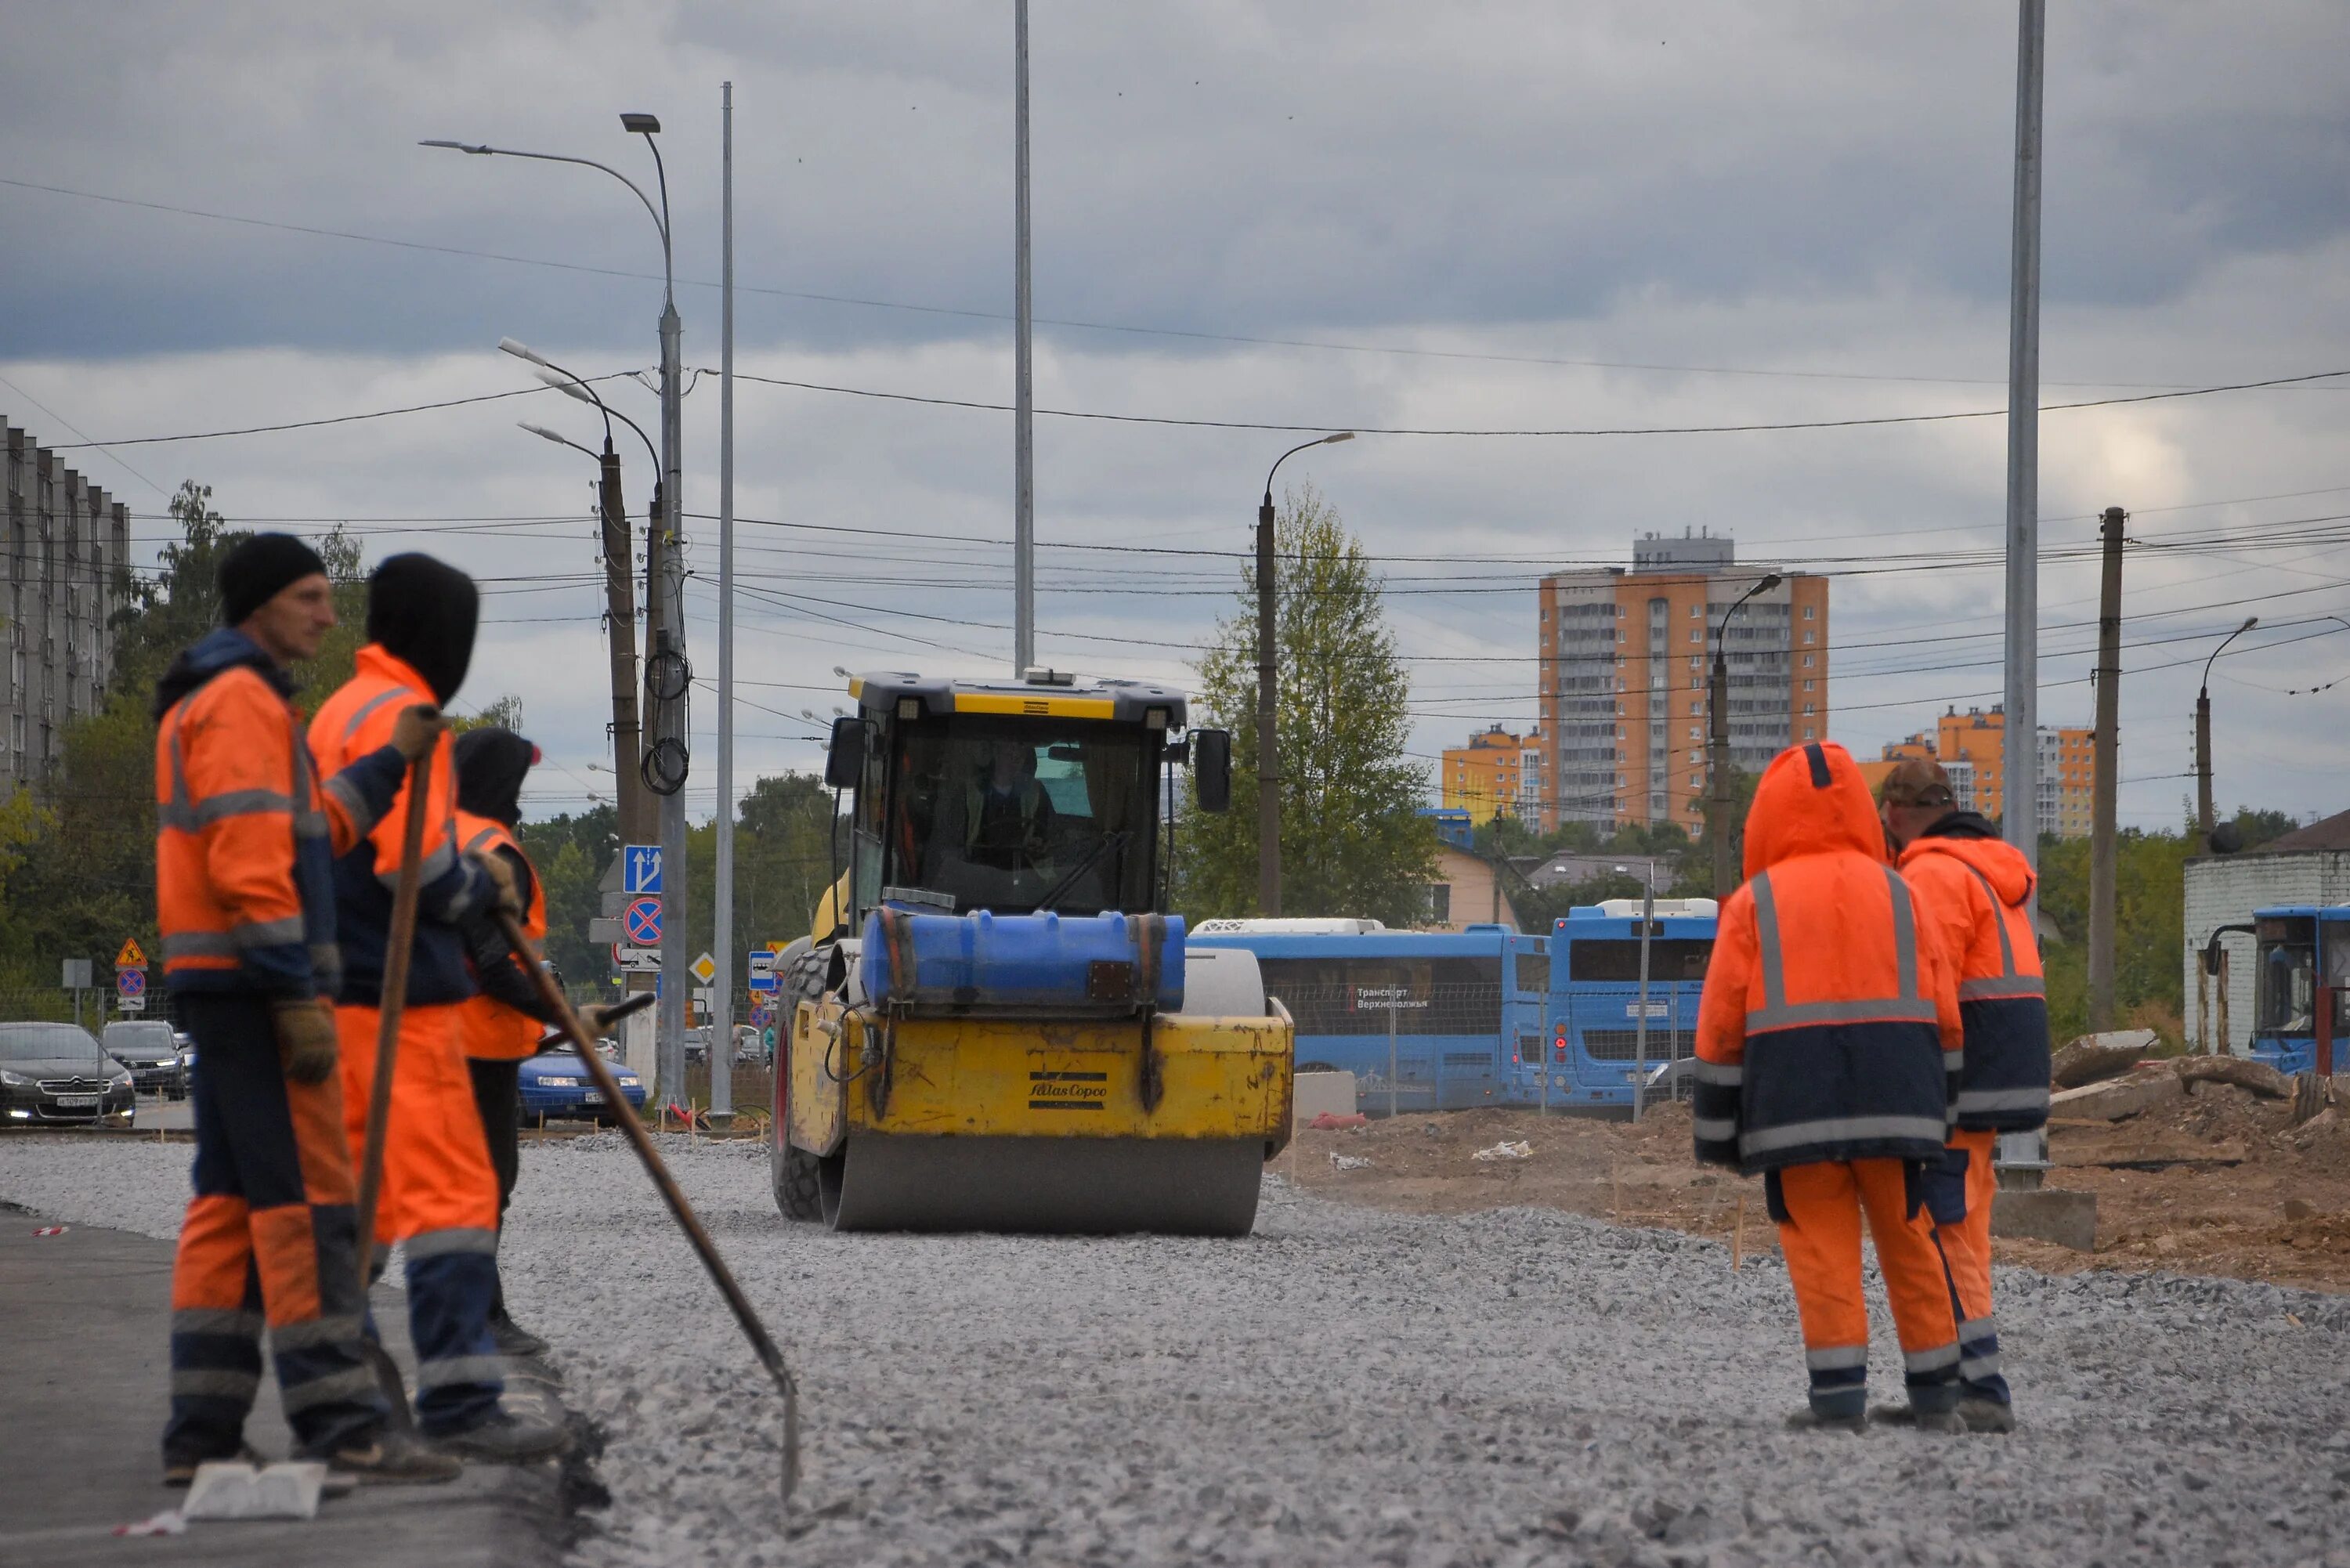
[795, 1173]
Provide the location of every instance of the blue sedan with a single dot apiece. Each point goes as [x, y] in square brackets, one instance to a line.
[556, 1087]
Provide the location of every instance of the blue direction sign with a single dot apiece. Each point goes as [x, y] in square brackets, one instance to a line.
[640, 868]
[642, 922]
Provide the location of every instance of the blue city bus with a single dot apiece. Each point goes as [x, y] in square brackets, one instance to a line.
[1593, 1034]
[2285, 1020]
[1463, 1004]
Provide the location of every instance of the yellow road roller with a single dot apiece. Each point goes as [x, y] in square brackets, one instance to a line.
[992, 1024]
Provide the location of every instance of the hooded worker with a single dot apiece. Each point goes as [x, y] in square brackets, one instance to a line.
[440, 1193]
[1827, 1044]
[246, 835]
[1976, 891]
[501, 1027]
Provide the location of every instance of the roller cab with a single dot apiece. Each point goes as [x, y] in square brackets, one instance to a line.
[992, 1025]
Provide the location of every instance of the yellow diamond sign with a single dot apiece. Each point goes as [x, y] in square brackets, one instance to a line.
[704, 967]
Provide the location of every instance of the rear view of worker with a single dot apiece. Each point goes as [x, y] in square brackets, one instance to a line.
[1976, 889]
[1827, 1046]
[440, 1195]
[245, 836]
[502, 1026]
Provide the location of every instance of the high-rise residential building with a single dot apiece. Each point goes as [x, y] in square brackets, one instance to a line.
[1531, 787]
[63, 544]
[1626, 659]
[1481, 777]
[1972, 748]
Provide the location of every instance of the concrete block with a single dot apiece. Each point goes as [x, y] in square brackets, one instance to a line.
[2067, 1219]
[1319, 1092]
[2118, 1097]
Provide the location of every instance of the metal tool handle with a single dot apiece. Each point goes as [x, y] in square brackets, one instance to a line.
[762, 1343]
[393, 998]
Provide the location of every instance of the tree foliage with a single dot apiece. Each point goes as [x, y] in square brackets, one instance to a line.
[1353, 839]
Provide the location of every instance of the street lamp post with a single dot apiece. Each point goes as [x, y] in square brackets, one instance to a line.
[2203, 740]
[668, 675]
[1268, 745]
[1717, 784]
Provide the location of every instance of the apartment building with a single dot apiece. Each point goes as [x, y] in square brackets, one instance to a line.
[1972, 749]
[63, 544]
[1483, 778]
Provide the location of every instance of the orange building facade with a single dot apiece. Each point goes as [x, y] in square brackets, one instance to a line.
[1972, 749]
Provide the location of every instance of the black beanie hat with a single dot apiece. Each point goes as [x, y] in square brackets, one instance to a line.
[259, 569]
[423, 612]
[491, 763]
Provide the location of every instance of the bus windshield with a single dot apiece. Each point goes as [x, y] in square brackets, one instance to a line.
[1016, 815]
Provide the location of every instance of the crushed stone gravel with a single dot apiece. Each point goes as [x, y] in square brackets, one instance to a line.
[1348, 1386]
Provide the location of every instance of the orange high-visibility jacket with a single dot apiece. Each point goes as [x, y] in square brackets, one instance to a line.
[357, 719]
[1976, 891]
[1829, 1027]
[487, 1027]
[245, 836]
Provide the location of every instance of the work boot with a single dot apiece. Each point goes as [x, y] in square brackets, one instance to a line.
[181, 1471]
[393, 1456]
[513, 1339]
[1987, 1415]
[1947, 1422]
[504, 1438]
[1810, 1420]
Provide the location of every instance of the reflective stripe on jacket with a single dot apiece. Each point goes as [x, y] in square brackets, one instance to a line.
[1829, 1027]
[245, 836]
[486, 1027]
[357, 719]
[1978, 890]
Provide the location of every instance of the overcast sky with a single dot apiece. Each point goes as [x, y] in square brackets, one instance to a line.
[1474, 216]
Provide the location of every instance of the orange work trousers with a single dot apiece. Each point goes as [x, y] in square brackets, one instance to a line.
[1966, 1255]
[436, 1161]
[1819, 1209]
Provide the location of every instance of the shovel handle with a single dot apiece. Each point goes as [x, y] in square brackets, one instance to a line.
[763, 1345]
[399, 943]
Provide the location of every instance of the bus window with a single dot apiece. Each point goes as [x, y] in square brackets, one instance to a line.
[1533, 972]
[1618, 958]
[2287, 984]
[1358, 995]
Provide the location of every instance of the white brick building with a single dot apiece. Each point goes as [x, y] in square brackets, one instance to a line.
[2311, 866]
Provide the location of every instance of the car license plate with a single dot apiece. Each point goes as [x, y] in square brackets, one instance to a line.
[77, 1102]
[592, 1098]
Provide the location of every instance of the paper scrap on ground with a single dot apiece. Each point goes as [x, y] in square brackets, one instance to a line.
[1348, 1162]
[1505, 1150]
[227, 1490]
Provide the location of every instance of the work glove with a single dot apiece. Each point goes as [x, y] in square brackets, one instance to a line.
[306, 1048]
[417, 730]
[502, 877]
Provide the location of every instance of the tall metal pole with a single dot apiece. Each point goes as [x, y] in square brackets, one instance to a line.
[721, 943]
[1023, 416]
[1268, 732]
[2020, 769]
[2105, 781]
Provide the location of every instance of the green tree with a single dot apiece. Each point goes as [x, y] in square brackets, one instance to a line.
[2149, 898]
[1353, 840]
[570, 853]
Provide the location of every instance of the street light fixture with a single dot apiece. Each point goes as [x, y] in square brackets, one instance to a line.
[1717, 792]
[2203, 738]
[1268, 752]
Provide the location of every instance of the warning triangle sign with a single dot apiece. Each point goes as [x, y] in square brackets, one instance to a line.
[130, 957]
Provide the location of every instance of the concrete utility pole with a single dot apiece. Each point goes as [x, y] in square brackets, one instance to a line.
[1023, 415]
[620, 613]
[2020, 767]
[2104, 784]
[721, 944]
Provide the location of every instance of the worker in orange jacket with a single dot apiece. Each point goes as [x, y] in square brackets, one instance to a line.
[1827, 1048]
[245, 835]
[501, 1028]
[1976, 889]
[439, 1196]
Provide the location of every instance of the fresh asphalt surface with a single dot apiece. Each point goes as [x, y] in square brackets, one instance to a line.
[1345, 1386]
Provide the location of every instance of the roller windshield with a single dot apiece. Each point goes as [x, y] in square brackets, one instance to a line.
[1017, 815]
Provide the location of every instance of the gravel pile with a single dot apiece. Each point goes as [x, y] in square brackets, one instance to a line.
[1350, 1387]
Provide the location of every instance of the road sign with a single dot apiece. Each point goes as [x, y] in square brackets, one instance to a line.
[77, 975]
[130, 983]
[130, 957]
[762, 1017]
[705, 968]
[636, 960]
[640, 922]
[640, 868]
[130, 1005]
[761, 973]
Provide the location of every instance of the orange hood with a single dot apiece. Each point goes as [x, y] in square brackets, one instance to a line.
[1810, 802]
[2001, 863]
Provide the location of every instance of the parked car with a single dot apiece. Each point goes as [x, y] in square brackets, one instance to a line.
[150, 1049]
[555, 1086]
[54, 1073]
